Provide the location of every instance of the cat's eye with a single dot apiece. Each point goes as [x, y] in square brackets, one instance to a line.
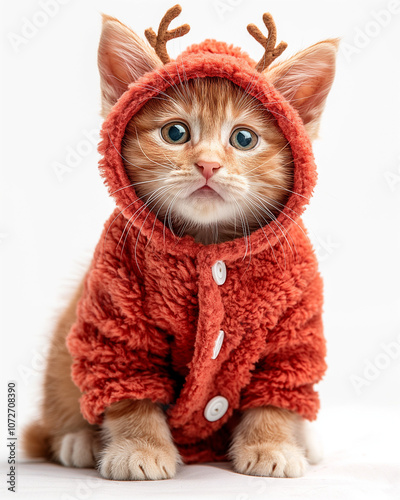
[244, 139]
[175, 133]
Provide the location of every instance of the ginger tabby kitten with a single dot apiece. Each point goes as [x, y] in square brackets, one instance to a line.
[208, 128]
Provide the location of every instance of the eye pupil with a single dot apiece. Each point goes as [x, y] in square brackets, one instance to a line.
[176, 132]
[244, 138]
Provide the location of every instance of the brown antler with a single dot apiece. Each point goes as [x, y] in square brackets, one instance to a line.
[271, 52]
[159, 41]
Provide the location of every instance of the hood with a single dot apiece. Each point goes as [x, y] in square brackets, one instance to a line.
[207, 59]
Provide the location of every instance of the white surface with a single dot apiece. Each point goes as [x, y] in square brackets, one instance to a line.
[361, 463]
[49, 225]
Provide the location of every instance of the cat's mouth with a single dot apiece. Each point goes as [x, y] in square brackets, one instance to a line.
[206, 191]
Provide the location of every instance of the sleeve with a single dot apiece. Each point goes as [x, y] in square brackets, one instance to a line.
[117, 352]
[293, 359]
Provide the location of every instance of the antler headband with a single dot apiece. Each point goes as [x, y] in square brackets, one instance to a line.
[159, 41]
[271, 52]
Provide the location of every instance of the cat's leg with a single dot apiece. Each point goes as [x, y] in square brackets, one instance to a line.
[266, 443]
[61, 434]
[139, 443]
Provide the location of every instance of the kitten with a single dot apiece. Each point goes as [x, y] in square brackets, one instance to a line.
[210, 163]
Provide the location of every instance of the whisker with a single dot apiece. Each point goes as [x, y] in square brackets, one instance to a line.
[273, 218]
[115, 218]
[270, 171]
[288, 190]
[141, 227]
[133, 221]
[286, 215]
[140, 210]
[166, 214]
[150, 87]
[127, 161]
[245, 226]
[266, 236]
[144, 154]
[269, 159]
[154, 223]
[140, 182]
[269, 199]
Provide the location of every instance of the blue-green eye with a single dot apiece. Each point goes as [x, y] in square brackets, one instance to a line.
[244, 139]
[175, 133]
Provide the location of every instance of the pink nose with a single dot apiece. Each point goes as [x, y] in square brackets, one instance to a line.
[207, 168]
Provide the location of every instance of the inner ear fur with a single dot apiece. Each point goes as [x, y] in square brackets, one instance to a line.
[305, 80]
[123, 57]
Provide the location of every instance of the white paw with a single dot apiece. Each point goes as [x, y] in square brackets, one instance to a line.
[78, 449]
[270, 459]
[311, 441]
[138, 460]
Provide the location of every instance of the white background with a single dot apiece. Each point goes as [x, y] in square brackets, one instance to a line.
[50, 224]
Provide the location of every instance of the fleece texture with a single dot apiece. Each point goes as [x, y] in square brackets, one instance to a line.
[151, 311]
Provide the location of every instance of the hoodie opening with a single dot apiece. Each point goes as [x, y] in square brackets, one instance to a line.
[188, 66]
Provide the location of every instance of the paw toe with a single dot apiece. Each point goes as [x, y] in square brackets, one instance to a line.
[270, 460]
[138, 461]
[77, 449]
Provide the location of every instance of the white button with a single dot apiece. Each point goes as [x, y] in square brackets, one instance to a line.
[218, 344]
[216, 408]
[219, 272]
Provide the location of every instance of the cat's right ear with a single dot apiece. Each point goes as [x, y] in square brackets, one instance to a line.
[123, 57]
[306, 79]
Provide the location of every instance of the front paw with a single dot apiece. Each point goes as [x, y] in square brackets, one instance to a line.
[79, 449]
[138, 460]
[270, 460]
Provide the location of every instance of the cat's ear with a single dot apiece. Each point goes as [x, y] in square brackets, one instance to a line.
[306, 79]
[123, 57]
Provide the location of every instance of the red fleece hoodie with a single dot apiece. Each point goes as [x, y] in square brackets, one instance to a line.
[200, 329]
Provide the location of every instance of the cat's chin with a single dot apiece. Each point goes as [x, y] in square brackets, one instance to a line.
[204, 207]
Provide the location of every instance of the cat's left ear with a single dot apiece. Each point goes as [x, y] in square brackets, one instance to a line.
[123, 57]
[306, 79]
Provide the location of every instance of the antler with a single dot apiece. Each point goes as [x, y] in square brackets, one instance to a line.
[271, 52]
[159, 41]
